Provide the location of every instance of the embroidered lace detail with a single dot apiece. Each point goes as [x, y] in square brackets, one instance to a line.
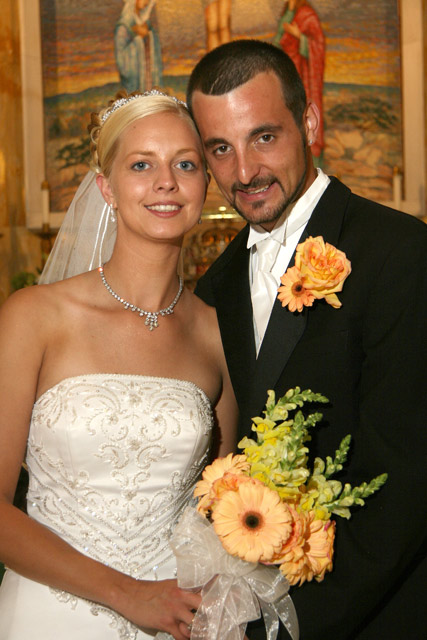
[113, 460]
[125, 629]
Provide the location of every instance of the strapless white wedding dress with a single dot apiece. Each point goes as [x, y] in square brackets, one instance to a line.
[112, 460]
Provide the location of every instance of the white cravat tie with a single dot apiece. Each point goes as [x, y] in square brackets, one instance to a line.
[264, 285]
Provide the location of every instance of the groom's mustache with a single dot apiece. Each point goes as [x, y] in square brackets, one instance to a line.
[256, 183]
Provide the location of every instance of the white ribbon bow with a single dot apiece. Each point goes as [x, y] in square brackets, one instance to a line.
[233, 591]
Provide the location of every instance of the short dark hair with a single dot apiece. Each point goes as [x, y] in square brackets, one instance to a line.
[235, 63]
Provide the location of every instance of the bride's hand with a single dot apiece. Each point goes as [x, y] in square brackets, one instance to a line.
[161, 606]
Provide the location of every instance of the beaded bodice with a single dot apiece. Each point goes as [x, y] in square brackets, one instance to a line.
[113, 460]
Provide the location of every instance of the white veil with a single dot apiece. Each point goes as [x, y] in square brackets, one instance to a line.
[86, 237]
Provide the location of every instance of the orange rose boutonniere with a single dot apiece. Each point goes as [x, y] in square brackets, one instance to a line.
[319, 272]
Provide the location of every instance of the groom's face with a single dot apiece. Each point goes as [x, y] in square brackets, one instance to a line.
[254, 148]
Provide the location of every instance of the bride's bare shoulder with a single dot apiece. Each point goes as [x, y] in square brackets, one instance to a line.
[44, 302]
[71, 287]
[203, 310]
[206, 320]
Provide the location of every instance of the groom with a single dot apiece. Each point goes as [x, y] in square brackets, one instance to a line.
[367, 356]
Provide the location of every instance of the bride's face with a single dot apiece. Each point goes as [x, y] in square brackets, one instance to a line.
[158, 180]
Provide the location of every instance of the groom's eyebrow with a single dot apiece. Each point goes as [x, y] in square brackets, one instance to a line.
[212, 142]
[265, 127]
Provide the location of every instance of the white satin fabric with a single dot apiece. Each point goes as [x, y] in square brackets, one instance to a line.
[264, 285]
[112, 460]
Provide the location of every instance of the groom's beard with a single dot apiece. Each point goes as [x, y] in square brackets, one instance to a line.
[254, 215]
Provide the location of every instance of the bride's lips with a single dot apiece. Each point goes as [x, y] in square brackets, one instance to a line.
[164, 209]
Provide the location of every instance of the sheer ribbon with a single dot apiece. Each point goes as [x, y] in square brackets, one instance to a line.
[233, 591]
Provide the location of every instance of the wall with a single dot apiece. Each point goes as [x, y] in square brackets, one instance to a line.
[19, 249]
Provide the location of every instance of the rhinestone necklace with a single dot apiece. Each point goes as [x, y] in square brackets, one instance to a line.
[151, 320]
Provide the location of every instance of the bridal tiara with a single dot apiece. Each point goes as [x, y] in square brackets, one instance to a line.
[122, 101]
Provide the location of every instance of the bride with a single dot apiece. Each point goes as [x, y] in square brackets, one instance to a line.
[110, 381]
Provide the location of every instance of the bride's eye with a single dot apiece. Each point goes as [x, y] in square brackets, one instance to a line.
[186, 165]
[140, 165]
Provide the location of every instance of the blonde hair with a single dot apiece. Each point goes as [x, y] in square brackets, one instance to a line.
[107, 126]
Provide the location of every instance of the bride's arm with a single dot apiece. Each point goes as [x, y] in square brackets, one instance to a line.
[227, 413]
[226, 408]
[31, 549]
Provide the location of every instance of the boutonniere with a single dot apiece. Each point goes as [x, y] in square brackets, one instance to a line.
[319, 273]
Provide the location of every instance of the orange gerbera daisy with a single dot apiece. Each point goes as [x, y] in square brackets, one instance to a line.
[292, 293]
[296, 537]
[321, 547]
[228, 482]
[207, 488]
[310, 555]
[252, 522]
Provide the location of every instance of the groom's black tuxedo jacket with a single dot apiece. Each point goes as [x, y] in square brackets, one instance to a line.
[369, 359]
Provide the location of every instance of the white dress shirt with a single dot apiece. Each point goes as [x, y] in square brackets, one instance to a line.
[286, 234]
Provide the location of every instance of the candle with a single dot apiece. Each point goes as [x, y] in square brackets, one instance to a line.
[397, 188]
[45, 203]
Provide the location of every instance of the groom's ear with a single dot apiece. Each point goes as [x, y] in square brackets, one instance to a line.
[311, 121]
[105, 188]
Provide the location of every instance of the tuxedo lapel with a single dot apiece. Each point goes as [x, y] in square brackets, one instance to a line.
[234, 309]
[285, 328]
[328, 216]
[283, 333]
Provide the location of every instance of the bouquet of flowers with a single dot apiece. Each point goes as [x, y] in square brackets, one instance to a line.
[268, 518]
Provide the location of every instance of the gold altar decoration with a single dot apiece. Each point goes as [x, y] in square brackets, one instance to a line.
[207, 241]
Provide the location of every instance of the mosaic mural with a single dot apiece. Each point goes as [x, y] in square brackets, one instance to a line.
[92, 48]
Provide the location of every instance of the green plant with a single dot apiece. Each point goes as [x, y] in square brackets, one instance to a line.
[23, 279]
